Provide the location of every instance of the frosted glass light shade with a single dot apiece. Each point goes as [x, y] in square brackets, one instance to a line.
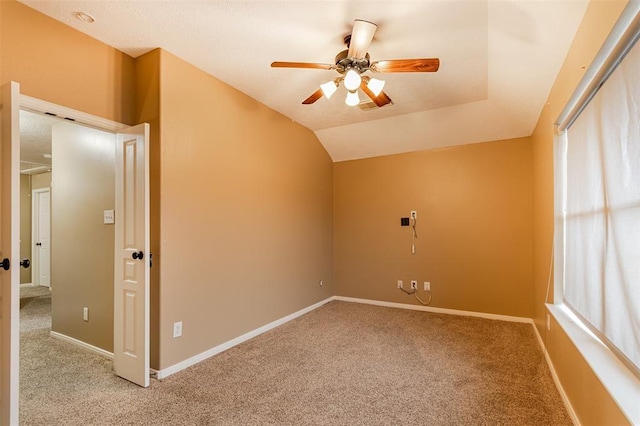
[352, 80]
[352, 98]
[375, 86]
[328, 88]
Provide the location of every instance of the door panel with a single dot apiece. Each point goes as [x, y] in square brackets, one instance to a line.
[9, 249]
[131, 303]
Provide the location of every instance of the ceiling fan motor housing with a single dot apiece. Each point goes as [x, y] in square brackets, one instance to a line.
[345, 63]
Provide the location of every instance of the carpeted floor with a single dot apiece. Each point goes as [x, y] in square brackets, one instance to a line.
[35, 308]
[35, 313]
[341, 364]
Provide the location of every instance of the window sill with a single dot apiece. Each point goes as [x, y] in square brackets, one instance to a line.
[620, 382]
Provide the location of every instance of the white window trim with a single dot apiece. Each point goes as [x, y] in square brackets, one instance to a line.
[621, 383]
[617, 379]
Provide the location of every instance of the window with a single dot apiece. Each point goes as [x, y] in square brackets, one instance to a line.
[600, 198]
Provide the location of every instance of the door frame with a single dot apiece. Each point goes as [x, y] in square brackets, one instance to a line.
[35, 252]
[10, 280]
[39, 106]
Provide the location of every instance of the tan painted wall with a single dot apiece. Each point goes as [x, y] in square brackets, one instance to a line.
[54, 62]
[148, 111]
[592, 404]
[27, 184]
[246, 213]
[82, 249]
[474, 227]
[41, 180]
[590, 400]
[61, 65]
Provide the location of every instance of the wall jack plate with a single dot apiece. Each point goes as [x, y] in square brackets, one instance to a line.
[413, 214]
[414, 284]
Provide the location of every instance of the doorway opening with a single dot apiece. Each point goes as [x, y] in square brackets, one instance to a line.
[129, 292]
[67, 293]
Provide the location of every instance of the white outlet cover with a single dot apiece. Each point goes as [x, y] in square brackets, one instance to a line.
[177, 329]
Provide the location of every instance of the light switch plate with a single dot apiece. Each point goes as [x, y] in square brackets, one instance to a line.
[109, 217]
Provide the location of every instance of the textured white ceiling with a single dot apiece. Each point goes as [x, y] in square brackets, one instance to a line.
[499, 59]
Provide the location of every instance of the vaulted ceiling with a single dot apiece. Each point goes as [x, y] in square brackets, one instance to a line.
[499, 59]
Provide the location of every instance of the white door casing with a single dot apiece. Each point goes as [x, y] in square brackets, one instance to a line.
[131, 286]
[10, 249]
[131, 357]
[41, 234]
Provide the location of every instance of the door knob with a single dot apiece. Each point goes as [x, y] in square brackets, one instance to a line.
[138, 255]
[6, 264]
[25, 263]
[38, 244]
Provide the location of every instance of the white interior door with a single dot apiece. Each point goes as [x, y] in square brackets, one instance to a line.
[9, 250]
[131, 303]
[41, 208]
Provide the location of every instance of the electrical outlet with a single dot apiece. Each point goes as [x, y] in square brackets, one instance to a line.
[321, 283]
[177, 329]
[414, 214]
[400, 285]
[85, 313]
[427, 286]
[414, 284]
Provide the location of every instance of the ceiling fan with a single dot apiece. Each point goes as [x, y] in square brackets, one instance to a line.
[355, 61]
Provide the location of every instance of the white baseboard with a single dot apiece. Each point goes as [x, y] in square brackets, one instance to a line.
[435, 310]
[161, 374]
[81, 344]
[556, 379]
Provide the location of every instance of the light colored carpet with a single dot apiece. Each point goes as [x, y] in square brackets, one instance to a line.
[342, 364]
[35, 310]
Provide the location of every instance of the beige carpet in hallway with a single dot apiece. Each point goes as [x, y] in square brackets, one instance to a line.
[342, 364]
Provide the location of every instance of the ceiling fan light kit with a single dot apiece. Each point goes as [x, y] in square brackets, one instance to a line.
[352, 80]
[354, 61]
[375, 85]
[329, 88]
[352, 98]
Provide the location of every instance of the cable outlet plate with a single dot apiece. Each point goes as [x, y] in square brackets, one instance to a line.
[414, 214]
[427, 286]
[414, 284]
[400, 285]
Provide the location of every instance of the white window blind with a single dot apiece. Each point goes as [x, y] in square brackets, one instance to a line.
[602, 216]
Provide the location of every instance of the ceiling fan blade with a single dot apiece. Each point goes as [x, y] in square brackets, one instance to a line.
[314, 97]
[279, 64]
[361, 37]
[406, 65]
[381, 100]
